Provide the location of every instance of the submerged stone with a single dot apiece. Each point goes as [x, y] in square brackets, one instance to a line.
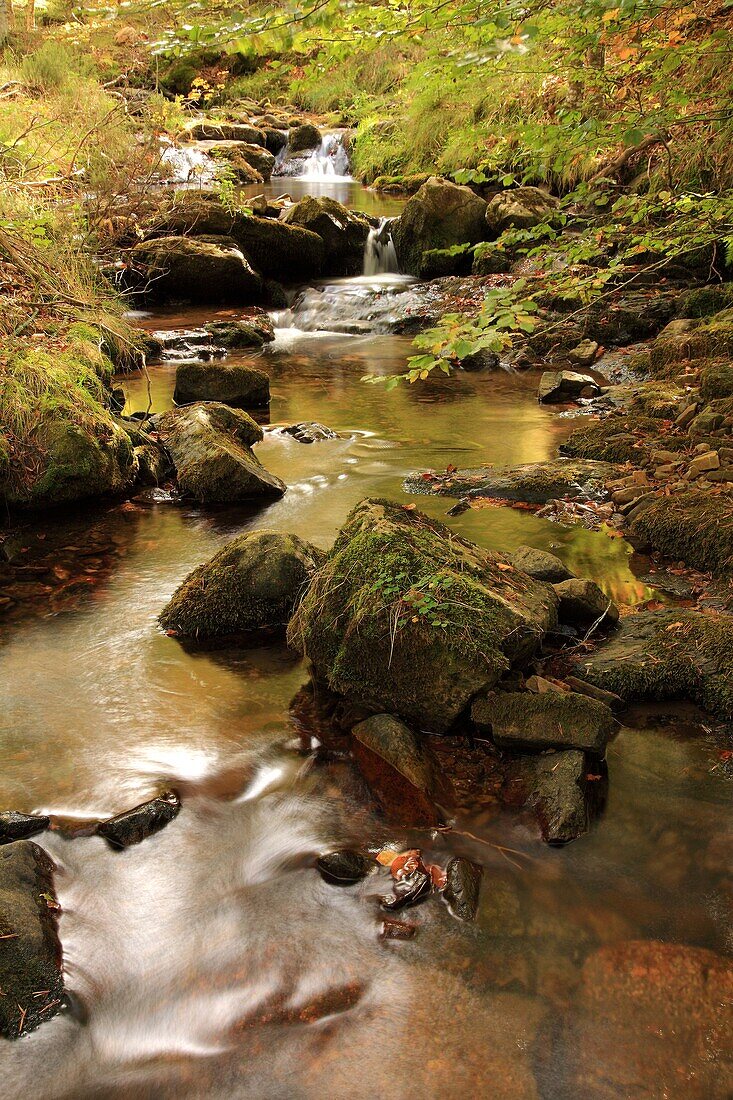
[399, 769]
[31, 979]
[137, 824]
[17, 826]
[408, 618]
[534, 482]
[344, 867]
[252, 584]
[522, 720]
[236, 384]
[462, 887]
[310, 432]
[559, 795]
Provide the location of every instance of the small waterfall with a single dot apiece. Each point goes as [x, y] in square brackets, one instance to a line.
[329, 161]
[187, 164]
[380, 255]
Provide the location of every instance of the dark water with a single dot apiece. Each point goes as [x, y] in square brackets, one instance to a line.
[211, 960]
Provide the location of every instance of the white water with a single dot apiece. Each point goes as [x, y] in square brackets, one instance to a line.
[351, 306]
[187, 164]
[380, 256]
[329, 161]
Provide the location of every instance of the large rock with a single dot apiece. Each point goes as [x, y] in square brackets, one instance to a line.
[667, 655]
[440, 215]
[557, 386]
[234, 384]
[17, 826]
[280, 250]
[199, 269]
[399, 769]
[252, 584]
[520, 208]
[583, 603]
[210, 445]
[535, 482]
[31, 979]
[408, 618]
[521, 720]
[541, 565]
[305, 136]
[344, 234]
[650, 1020]
[559, 795]
[215, 130]
[690, 525]
[243, 152]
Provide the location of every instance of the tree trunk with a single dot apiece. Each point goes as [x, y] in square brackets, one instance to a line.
[30, 14]
[6, 19]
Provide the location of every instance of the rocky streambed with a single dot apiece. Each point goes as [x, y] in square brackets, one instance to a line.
[489, 708]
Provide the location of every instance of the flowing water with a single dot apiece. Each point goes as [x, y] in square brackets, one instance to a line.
[211, 960]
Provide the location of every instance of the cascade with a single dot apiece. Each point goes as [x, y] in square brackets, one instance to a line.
[187, 163]
[329, 161]
[380, 256]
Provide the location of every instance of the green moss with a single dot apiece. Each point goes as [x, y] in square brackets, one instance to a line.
[624, 438]
[667, 655]
[658, 400]
[716, 380]
[695, 527]
[407, 617]
[705, 301]
[712, 340]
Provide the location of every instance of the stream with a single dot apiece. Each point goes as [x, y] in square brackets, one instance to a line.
[211, 960]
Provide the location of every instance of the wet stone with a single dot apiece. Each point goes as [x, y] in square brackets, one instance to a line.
[397, 930]
[343, 867]
[136, 825]
[462, 887]
[17, 826]
[559, 796]
[410, 890]
[310, 432]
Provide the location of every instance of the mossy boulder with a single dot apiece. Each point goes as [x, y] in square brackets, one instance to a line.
[436, 263]
[304, 137]
[252, 584]
[248, 332]
[280, 250]
[522, 720]
[247, 163]
[235, 384]
[407, 618]
[712, 339]
[693, 526]
[31, 978]
[198, 269]
[704, 301]
[439, 216]
[219, 130]
[534, 482]
[716, 380]
[211, 448]
[619, 438]
[492, 258]
[520, 208]
[668, 654]
[344, 233]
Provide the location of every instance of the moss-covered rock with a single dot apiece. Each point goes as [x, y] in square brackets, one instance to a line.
[535, 482]
[407, 618]
[436, 263]
[520, 208]
[210, 445]
[248, 163]
[235, 384]
[221, 131]
[626, 437]
[716, 380]
[713, 339]
[541, 565]
[668, 654]
[559, 795]
[344, 233]
[492, 258]
[704, 301]
[694, 526]
[304, 137]
[438, 216]
[31, 978]
[198, 269]
[522, 720]
[252, 584]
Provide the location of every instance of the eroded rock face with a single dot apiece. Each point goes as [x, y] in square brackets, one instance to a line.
[520, 208]
[343, 233]
[653, 1019]
[362, 626]
[30, 951]
[522, 720]
[666, 655]
[210, 445]
[440, 215]
[200, 269]
[234, 384]
[252, 584]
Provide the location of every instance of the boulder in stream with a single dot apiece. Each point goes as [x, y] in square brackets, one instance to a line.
[280, 250]
[309, 431]
[558, 386]
[523, 720]
[535, 482]
[668, 654]
[211, 448]
[199, 269]
[17, 826]
[439, 216]
[406, 617]
[31, 979]
[252, 584]
[219, 130]
[583, 603]
[541, 565]
[136, 825]
[559, 795]
[343, 232]
[303, 137]
[236, 384]
[462, 887]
